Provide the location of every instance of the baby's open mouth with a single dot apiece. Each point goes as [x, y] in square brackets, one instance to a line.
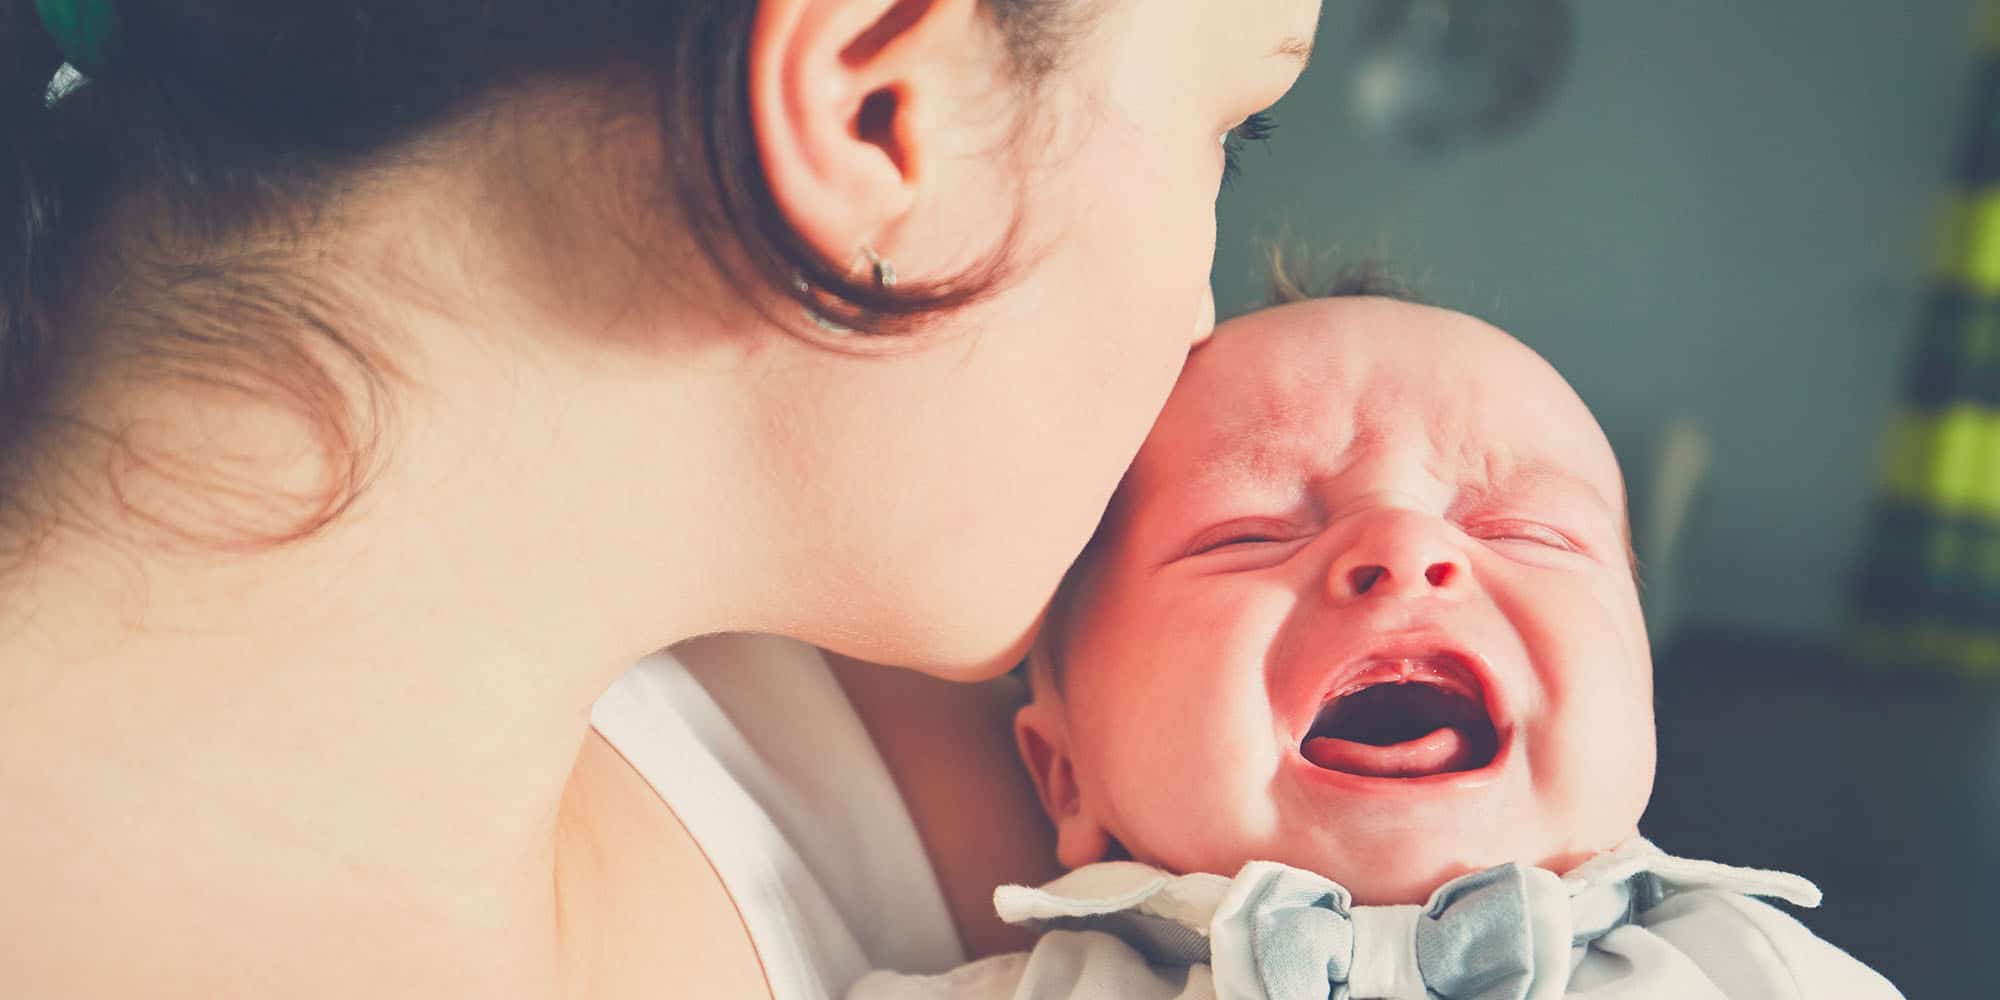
[1404, 718]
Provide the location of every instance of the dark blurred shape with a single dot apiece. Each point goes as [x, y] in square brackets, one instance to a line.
[1980, 164]
[1431, 74]
[1882, 787]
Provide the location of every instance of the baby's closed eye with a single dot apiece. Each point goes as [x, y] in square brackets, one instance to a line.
[1253, 531]
[1522, 531]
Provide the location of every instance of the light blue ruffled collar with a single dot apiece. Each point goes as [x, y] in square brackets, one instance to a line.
[1212, 919]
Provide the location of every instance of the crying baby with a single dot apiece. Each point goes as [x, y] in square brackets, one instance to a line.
[1351, 697]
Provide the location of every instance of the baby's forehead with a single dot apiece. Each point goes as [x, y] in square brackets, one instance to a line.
[1282, 390]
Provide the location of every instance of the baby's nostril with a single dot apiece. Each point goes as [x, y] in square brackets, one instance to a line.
[1439, 574]
[1364, 578]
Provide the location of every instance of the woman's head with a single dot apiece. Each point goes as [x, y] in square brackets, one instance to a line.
[976, 463]
[640, 177]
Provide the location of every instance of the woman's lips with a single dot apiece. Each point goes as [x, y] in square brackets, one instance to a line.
[1442, 750]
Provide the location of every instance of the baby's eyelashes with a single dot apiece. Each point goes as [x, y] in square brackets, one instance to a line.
[1242, 534]
[1522, 531]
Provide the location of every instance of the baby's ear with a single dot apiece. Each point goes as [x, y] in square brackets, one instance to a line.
[1043, 737]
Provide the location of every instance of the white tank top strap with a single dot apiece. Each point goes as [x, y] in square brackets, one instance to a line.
[754, 746]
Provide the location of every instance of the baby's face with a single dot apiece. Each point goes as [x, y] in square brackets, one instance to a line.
[1365, 606]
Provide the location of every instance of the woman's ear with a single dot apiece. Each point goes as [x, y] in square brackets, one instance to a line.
[834, 90]
[1042, 736]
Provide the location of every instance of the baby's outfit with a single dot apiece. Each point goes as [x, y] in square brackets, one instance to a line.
[1631, 924]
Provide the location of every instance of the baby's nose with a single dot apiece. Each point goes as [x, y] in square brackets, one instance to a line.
[1362, 579]
[1399, 552]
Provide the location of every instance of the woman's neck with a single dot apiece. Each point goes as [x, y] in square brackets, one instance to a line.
[377, 723]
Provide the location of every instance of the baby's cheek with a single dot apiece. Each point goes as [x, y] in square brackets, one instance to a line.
[1192, 767]
[1593, 765]
[1613, 749]
[1213, 823]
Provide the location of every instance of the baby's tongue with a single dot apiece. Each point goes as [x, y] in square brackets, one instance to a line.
[1441, 750]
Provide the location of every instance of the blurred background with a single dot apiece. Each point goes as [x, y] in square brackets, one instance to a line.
[1763, 242]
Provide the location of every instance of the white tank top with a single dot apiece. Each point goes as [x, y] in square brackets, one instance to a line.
[755, 747]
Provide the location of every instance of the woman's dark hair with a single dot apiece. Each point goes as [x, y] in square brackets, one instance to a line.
[230, 116]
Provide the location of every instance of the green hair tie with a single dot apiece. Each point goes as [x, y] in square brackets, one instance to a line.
[85, 30]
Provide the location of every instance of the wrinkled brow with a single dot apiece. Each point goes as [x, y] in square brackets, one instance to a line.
[1536, 473]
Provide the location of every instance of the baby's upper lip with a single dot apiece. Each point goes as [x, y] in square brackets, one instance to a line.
[1440, 660]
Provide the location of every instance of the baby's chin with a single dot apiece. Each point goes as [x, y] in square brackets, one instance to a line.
[1406, 867]
[1405, 873]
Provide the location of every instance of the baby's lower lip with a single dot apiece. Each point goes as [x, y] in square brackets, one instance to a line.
[1404, 718]
[1479, 773]
[1440, 751]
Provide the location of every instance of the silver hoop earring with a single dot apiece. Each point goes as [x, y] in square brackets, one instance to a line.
[884, 271]
[819, 319]
[879, 268]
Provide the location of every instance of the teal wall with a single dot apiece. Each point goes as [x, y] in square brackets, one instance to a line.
[1723, 213]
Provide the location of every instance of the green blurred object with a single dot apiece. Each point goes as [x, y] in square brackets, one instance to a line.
[1930, 585]
[85, 30]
